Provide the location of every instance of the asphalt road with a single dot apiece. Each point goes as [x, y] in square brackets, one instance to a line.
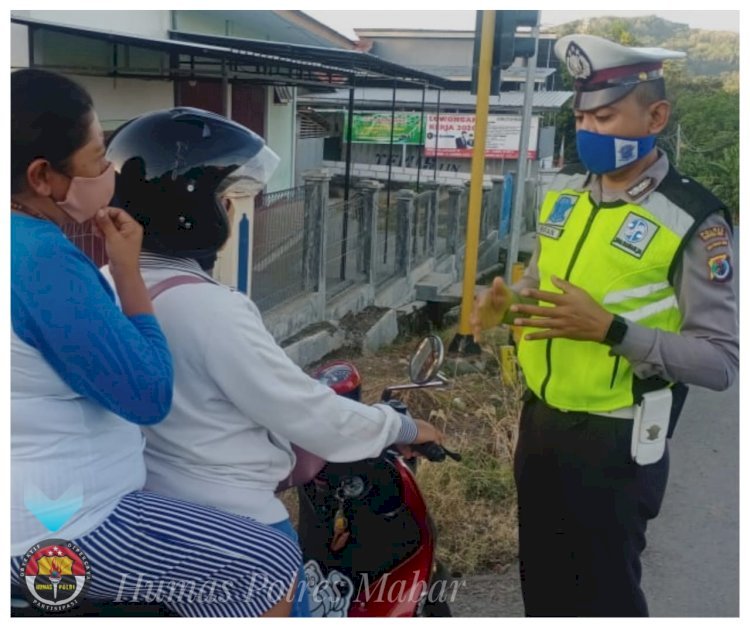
[691, 563]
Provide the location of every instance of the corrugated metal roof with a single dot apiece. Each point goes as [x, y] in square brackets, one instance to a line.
[513, 74]
[276, 62]
[377, 96]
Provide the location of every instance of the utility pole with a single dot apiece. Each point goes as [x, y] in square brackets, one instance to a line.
[463, 342]
[523, 149]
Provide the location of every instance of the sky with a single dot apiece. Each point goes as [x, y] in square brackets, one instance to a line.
[346, 21]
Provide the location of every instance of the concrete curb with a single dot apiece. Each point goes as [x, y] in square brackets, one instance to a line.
[383, 332]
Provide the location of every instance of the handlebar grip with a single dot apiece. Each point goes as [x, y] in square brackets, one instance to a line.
[432, 451]
[435, 453]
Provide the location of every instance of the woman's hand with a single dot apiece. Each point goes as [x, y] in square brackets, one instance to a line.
[426, 433]
[123, 237]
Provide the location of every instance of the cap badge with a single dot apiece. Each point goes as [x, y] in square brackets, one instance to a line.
[578, 63]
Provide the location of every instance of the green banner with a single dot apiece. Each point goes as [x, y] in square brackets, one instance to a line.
[375, 128]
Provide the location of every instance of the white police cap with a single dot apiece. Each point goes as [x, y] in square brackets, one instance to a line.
[604, 72]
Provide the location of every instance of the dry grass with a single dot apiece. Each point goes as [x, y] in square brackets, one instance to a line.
[472, 502]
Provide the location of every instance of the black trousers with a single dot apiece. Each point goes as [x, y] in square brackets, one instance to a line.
[583, 506]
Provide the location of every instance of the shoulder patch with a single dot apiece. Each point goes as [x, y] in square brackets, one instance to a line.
[712, 233]
[717, 244]
[720, 268]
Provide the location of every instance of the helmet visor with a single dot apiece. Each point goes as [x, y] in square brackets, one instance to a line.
[255, 172]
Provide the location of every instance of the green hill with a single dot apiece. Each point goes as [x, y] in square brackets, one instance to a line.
[709, 53]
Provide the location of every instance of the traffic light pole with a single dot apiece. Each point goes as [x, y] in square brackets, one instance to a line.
[463, 342]
[523, 150]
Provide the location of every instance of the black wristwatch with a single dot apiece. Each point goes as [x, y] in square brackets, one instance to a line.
[616, 331]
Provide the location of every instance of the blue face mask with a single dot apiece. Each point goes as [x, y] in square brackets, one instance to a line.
[606, 153]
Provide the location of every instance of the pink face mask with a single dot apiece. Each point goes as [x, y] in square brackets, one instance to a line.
[87, 195]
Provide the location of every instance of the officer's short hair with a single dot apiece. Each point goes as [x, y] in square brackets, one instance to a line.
[646, 94]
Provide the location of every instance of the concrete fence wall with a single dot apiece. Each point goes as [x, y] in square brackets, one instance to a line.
[428, 233]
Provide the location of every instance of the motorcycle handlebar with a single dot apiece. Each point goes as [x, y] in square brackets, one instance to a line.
[434, 452]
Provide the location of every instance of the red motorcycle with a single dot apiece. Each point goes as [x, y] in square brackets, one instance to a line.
[366, 534]
[365, 530]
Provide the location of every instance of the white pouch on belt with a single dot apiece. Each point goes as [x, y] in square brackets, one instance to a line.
[650, 426]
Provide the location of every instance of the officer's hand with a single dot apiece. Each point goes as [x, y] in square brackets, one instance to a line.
[574, 315]
[490, 307]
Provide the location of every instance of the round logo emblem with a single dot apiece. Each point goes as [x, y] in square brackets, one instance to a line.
[55, 573]
[578, 63]
[721, 268]
[637, 230]
[627, 153]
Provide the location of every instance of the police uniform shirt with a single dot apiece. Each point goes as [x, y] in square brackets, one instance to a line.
[706, 351]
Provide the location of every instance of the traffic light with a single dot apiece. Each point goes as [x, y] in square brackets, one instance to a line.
[506, 47]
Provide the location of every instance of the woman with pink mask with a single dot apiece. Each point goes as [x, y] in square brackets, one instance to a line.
[85, 375]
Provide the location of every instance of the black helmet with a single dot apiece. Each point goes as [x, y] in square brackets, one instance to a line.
[172, 168]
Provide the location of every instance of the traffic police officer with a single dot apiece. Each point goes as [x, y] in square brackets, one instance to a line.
[628, 298]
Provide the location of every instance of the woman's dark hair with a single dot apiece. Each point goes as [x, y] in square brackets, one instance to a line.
[50, 117]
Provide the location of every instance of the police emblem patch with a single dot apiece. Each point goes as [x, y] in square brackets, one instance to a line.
[553, 226]
[720, 268]
[626, 152]
[578, 63]
[563, 206]
[635, 234]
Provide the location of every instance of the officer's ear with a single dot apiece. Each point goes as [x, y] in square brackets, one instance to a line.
[658, 113]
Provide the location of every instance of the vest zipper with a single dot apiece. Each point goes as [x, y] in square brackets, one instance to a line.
[614, 372]
[568, 272]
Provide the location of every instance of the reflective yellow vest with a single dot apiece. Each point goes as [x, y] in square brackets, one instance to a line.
[623, 255]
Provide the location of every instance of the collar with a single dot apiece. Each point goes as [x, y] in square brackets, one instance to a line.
[166, 262]
[636, 191]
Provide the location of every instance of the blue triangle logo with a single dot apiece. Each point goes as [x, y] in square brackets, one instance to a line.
[53, 514]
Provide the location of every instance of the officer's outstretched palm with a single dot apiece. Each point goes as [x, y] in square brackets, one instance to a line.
[490, 307]
[574, 314]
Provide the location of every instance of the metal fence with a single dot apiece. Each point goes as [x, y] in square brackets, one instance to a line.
[83, 237]
[494, 208]
[463, 209]
[278, 231]
[344, 240]
[385, 260]
[444, 222]
[421, 228]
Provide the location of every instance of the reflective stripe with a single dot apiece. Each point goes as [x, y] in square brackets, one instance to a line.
[673, 216]
[653, 308]
[634, 293]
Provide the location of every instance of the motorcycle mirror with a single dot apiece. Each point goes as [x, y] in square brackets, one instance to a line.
[427, 360]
